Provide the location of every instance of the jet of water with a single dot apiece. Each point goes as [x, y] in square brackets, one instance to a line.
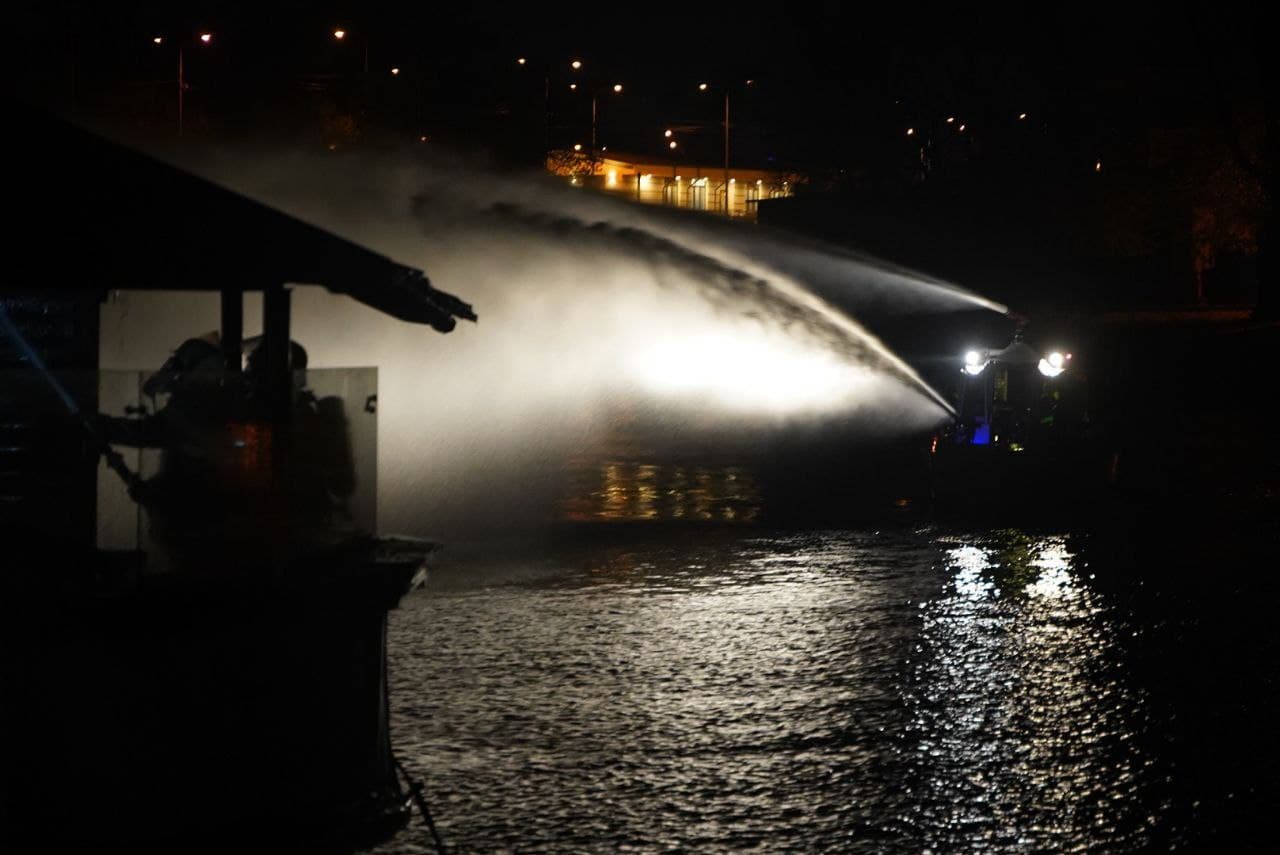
[595, 315]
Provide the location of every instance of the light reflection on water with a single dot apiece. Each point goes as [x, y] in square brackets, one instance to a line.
[903, 691]
[1025, 734]
[631, 491]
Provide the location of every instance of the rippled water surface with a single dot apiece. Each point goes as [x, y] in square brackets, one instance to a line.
[902, 690]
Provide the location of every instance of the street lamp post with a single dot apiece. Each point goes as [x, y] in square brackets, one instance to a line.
[595, 95]
[340, 35]
[702, 87]
[576, 73]
[182, 85]
[204, 38]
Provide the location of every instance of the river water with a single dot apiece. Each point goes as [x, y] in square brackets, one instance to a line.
[905, 689]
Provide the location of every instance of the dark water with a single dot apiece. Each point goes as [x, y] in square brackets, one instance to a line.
[901, 690]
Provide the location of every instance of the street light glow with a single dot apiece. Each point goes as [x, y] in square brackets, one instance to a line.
[911, 132]
[1021, 116]
[522, 60]
[576, 64]
[395, 71]
[158, 40]
[702, 87]
[617, 87]
[339, 34]
[667, 133]
[206, 37]
[573, 87]
[950, 119]
[577, 146]
[671, 144]
[961, 129]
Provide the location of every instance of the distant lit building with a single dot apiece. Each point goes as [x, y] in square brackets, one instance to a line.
[735, 191]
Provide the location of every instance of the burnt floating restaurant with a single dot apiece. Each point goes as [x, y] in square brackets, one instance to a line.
[221, 675]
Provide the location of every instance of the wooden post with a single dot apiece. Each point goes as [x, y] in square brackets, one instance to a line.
[275, 341]
[232, 327]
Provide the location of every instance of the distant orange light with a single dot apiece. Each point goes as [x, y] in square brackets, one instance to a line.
[577, 146]
[1097, 166]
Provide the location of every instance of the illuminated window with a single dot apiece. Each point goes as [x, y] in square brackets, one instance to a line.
[698, 194]
[671, 193]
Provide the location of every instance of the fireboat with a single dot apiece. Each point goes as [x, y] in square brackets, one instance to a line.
[1023, 442]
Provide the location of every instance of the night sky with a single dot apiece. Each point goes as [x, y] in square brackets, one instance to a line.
[1113, 148]
[832, 88]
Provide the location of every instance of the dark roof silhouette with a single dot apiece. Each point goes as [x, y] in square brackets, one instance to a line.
[91, 215]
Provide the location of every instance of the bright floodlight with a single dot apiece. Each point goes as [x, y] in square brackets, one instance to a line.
[974, 363]
[1053, 364]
